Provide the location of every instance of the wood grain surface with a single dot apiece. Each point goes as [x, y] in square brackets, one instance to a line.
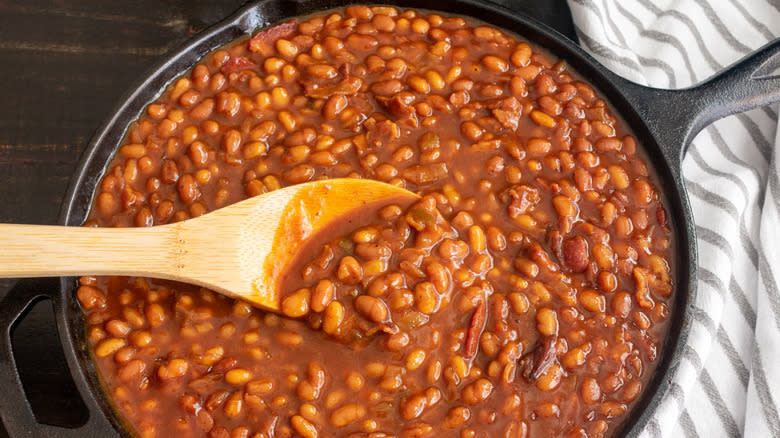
[64, 65]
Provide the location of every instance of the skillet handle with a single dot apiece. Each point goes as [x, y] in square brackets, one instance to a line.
[15, 412]
[674, 117]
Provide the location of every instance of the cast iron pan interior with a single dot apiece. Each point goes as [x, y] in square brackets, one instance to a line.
[664, 133]
[271, 12]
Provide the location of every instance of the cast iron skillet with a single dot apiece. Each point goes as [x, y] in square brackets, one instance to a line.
[664, 122]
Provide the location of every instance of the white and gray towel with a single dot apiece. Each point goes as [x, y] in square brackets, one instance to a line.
[729, 382]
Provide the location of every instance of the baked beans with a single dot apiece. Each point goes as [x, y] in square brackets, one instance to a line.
[526, 293]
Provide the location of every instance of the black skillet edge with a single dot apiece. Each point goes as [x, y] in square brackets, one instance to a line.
[261, 14]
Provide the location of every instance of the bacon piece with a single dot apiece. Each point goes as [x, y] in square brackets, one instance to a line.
[524, 198]
[555, 240]
[237, 63]
[642, 289]
[346, 87]
[508, 114]
[544, 356]
[424, 175]
[263, 41]
[660, 216]
[477, 325]
[381, 133]
[536, 253]
[399, 109]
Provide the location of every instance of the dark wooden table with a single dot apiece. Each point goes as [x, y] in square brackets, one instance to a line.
[64, 64]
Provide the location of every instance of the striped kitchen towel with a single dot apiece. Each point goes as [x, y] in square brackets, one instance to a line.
[729, 382]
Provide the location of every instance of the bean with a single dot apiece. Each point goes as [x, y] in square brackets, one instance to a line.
[334, 106]
[425, 298]
[387, 88]
[350, 271]
[438, 276]
[477, 392]
[234, 405]
[521, 55]
[643, 192]
[516, 429]
[517, 87]
[260, 387]
[286, 48]
[592, 300]
[564, 206]
[611, 409]
[173, 369]
[371, 308]
[334, 315]
[383, 23]
[107, 203]
[91, 298]
[397, 341]
[477, 239]
[413, 407]
[109, 347]
[621, 304]
[347, 414]
[298, 174]
[372, 251]
[623, 226]
[232, 141]
[550, 105]
[543, 119]
[304, 427]
[418, 430]
[547, 410]
[471, 131]
[133, 150]
[188, 188]
[440, 48]
[415, 359]
[321, 71]
[240, 432]
[359, 12]
[202, 110]
[603, 255]
[494, 63]
[619, 176]
[418, 84]
[362, 43]
[140, 339]
[631, 391]
[420, 26]
[132, 370]
[117, 328]
[457, 417]
[547, 321]
[550, 379]
[607, 144]
[607, 281]
[297, 304]
[238, 376]
[155, 315]
[573, 358]
[322, 295]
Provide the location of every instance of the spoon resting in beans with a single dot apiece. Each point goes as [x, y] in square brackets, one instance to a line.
[240, 251]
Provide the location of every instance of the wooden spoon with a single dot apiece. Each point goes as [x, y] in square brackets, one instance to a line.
[239, 251]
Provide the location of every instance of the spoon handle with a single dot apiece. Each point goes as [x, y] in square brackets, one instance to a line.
[48, 251]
